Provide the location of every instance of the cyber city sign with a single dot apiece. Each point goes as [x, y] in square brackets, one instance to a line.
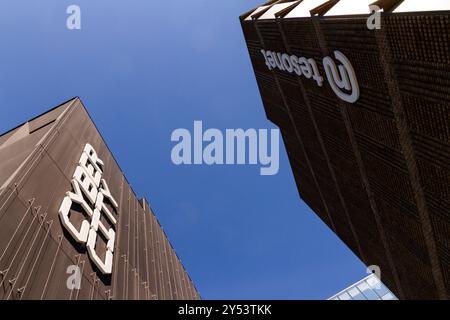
[342, 78]
[90, 191]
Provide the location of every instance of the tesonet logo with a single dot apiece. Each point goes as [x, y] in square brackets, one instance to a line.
[342, 78]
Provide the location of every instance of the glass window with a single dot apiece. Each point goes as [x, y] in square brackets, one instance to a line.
[369, 288]
[388, 296]
[382, 290]
[356, 294]
[373, 281]
[377, 286]
[368, 292]
[345, 296]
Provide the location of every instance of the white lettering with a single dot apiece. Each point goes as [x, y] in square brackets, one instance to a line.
[341, 77]
[87, 182]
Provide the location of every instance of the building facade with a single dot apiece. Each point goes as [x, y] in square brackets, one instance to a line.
[71, 225]
[369, 288]
[363, 103]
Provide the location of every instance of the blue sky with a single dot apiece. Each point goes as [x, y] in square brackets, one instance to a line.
[240, 235]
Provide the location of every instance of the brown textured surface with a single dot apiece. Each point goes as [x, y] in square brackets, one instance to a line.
[35, 250]
[377, 172]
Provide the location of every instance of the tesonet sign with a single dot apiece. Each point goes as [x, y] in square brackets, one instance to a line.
[90, 191]
[342, 78]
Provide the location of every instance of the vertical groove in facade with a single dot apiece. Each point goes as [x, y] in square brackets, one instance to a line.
[329, 168]
[298, 138]
[410, 158]
[344, 108]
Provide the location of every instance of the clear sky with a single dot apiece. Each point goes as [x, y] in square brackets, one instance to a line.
[144, 68]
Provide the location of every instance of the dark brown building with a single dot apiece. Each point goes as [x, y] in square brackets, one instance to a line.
[71, 226]
[364, 111]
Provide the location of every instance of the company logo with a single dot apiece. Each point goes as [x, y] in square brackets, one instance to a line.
[342, 78]
[90, 192]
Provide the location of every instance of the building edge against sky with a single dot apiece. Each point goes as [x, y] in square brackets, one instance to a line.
[365, 118]
[72, 227]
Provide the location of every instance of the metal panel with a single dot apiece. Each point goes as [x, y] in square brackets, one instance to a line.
[380, 166]
[36, 251]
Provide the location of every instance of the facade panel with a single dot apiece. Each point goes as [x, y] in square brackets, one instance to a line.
[43, 242]
[365, 117]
